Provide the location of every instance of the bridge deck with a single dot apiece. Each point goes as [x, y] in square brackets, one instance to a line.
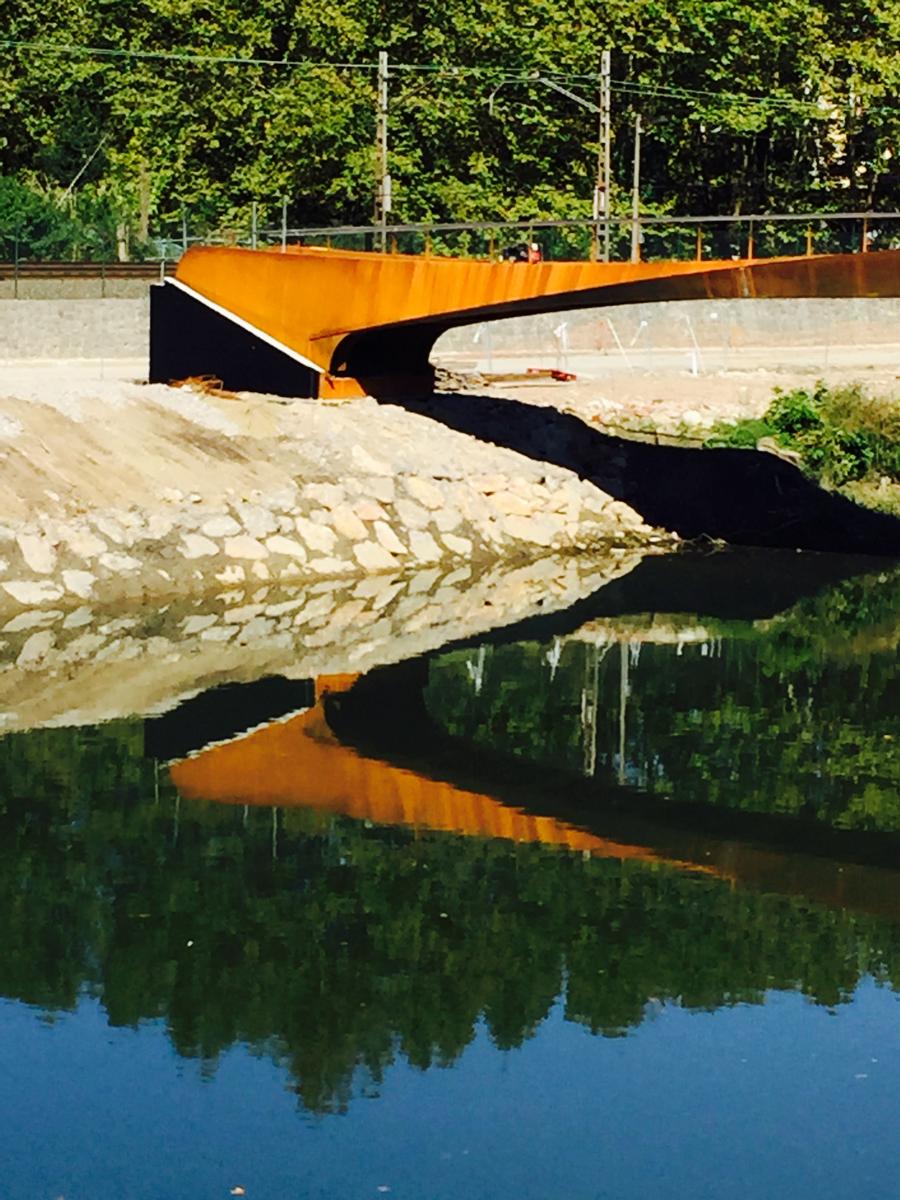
[375, 317]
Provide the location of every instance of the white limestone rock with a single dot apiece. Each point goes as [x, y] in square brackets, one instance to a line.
[257, 521]
[348, 524]
[79, 583]
[35, 619]
[373, 557]
[329, 495]
[388, 539]
[195, 545]
[457, 545]
[36, 649]
[424, 493]
[245, 546]
[30, 593]
[423, 546]
[82, 541]
[196, 623]
[220, 527]
[38, 552]
[317, 537]
[119, 564]
[278, 544]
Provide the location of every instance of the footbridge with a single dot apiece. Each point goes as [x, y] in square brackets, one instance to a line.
[309, 321]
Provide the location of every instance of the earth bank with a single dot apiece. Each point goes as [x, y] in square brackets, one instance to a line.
[116, 490]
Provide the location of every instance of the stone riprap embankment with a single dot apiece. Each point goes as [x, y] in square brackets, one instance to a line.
[89, 664]
[115, 490]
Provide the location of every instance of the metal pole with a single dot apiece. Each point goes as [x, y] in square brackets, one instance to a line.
[382, 178]
[253, 224]
[284, 223]
[184, 239]
[605, 70]
[635, 194]
[601, 191]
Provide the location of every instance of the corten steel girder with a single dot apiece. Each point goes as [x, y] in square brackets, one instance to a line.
[374, 318]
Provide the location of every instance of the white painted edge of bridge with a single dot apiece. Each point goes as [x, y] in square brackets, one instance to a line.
[246, 326]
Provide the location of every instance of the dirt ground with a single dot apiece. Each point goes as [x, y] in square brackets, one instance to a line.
[675, 401]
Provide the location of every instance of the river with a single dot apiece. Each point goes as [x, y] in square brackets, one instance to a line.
[603, 904]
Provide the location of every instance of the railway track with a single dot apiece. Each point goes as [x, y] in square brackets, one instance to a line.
[86, 270]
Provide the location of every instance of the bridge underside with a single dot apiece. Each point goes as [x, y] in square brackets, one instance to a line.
[312, 322]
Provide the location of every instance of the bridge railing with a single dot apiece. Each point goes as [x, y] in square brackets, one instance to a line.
[658, 237]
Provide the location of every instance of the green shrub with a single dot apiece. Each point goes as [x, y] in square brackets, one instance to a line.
[842, 434]
[795, 413]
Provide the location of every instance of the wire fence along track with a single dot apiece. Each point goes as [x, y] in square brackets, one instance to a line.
[660, 237]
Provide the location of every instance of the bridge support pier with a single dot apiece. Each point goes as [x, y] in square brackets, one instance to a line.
[189, 338]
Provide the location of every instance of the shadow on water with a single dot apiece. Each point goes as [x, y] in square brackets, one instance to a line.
[740, 584]
[740, 496]
[224, 712]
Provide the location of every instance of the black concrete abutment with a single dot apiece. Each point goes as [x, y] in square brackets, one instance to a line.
[189, 338]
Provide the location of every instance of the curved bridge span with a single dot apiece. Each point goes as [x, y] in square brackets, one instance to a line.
[310, 321]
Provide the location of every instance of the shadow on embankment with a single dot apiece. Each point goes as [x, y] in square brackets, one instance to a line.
[746, 497]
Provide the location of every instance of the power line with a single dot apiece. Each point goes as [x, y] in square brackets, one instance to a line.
[180, 56]
[624, 87]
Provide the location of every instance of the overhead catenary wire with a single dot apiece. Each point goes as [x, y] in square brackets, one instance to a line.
[485, 71]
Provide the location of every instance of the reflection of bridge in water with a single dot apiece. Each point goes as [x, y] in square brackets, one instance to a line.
[323, 759]
[303, 321]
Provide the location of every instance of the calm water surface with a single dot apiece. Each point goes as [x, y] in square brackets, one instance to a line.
[608, 906]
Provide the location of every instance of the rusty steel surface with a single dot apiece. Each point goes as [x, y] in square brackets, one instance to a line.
[362, 314]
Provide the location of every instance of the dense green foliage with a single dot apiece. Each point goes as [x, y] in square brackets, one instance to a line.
[842, 434]
[335, 947]
[746, 105]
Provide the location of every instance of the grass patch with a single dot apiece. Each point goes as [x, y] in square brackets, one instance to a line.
[846, 439]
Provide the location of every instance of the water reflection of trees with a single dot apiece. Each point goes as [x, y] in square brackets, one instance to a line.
[335, 948]
[795, 716]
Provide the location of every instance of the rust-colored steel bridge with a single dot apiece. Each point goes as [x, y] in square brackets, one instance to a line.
[306, 321]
